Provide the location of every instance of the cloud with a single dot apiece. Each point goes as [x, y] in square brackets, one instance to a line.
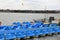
[30, 4]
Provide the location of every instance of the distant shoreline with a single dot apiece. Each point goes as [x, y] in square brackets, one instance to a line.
[31, 11]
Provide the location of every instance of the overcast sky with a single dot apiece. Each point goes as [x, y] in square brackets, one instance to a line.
[30, 4]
